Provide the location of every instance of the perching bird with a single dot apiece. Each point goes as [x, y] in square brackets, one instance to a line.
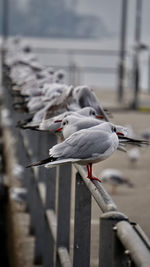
[18, 194]
[85, 147]
[17, 170]
[146, 134]
[85, 97]
[54, 123]
[73, 123]
[133, 155]
[115, 178]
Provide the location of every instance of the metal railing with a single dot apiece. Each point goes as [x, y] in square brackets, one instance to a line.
[77, 70]
[49, 201]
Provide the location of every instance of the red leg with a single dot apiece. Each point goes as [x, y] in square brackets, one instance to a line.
[88, 169]
[90, 176]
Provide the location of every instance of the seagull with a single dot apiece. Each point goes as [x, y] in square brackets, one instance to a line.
[146, 134]
[72, 124]
[54, 123]
[18, 194]
[56, 96]
[133, 155]
[17, 170]
[115, 178]
[84, 147]
[86, 97]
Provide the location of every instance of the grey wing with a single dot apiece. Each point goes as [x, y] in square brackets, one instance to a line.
[88, 98]
[82, 145]
[93, 145]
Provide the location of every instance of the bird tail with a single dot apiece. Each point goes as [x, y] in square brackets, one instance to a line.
[41, 162]
[32, 127]
[22, 123]
[133, 141]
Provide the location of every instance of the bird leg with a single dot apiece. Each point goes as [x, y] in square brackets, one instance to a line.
[90, 176]
[114, 190]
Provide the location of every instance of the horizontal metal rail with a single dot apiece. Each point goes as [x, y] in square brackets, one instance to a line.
[88, 69]
[78, 51]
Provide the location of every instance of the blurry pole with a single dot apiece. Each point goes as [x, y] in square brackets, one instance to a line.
[5, 20]
[4, 33]
[4, 24]
[121, 67]
[136, 71]
[149, 72]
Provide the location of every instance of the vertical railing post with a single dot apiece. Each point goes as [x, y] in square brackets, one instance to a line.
[49, 245]
[50, 180]
[40, 223]
[121, 67]
[63, 212]
[137, 50]
[50, 203]
[148, 85]
[111, 251]
[32, 181]
[82, 224]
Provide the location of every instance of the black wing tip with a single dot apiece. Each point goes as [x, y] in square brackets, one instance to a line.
[41, 162]
[134, 140]
[29, 166]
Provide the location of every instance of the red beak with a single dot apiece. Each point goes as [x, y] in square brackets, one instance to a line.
[99, 117]
[58, 130]
[119, 133]
[58, 121]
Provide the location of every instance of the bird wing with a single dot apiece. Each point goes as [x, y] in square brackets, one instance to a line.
[88, 98]
[82, 145]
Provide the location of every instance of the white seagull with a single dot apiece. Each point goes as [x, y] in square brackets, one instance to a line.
[53, 123]
[18, 194]
[115, 178]
[85, 97]
[73, 123]
[84, 147]
[133, 155]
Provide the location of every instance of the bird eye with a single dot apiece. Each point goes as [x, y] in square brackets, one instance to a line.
[65, 122]
[92, 112]
[114, 129]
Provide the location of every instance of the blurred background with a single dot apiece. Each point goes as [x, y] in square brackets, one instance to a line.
[91, 39]
[106, 45]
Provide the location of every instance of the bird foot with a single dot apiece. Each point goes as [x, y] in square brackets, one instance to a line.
[92, 178]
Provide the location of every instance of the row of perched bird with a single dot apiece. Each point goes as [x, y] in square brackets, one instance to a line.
[73, 113]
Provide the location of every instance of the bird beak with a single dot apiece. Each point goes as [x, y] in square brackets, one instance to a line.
[119, 133]
[99, 117]
[58, 121]
[58, 130]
